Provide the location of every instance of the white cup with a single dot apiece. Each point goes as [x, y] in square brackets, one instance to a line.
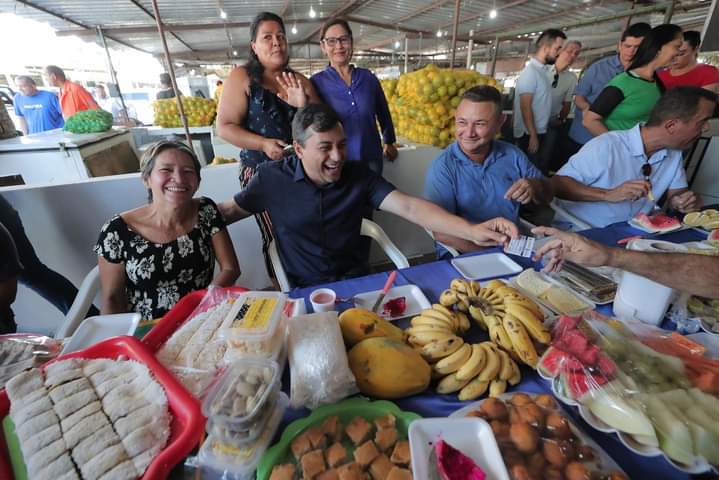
[323, 300]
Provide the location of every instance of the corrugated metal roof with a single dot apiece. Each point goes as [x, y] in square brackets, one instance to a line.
[196, 31]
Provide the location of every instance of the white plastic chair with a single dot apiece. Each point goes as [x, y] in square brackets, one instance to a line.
[86, 293]
[563, 215]
[368, 229]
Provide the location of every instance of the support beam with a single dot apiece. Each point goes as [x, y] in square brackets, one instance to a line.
[669, 12]
[469, 49]
[454, 34]
[421, 11]
[495, 53]
[86, 28]
[171, 69]
[406, 54]
[147, 12]
[345, 9]
[469, 18]
[113, 75]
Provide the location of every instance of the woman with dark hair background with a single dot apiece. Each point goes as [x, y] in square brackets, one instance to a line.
[357, 97]
[259, 101]
[630, 96]
[686, 71]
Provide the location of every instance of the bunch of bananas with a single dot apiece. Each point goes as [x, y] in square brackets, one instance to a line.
[470, 369]
[514, 322]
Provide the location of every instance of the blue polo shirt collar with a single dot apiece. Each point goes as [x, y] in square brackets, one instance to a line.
[299, 170]
[616, 62]
[636, 146]
[494, 155]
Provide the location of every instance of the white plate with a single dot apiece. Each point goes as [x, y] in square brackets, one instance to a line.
[479, 267]
[471, 436]
[100, 327]
[416, 301]
[606, 463]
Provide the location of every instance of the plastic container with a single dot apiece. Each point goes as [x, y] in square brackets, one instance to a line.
[186, 424]
[240, 462]
[271, 348]
[253, 321]
[242, 437]
[240, 394]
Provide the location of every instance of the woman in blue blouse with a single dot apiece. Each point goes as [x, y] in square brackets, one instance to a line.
[357, 97]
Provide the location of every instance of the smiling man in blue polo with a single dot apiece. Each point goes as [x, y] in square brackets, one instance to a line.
[479, 177]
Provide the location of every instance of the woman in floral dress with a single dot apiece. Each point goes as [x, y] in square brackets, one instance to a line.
[152, 256]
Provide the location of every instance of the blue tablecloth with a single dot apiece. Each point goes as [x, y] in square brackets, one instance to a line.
[433, 278]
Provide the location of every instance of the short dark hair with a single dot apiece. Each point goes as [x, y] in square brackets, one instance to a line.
[636, 30]
[549, 36]
[55, 70]
[693, 38]
[25, 79]
[255, 69]
[147, 161]
[653, 42]
[331, 23]
[484, 93]
[679, 103]
[317, 116]
[165, 79]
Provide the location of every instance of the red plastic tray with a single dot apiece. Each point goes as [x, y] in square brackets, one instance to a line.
[160, 333]
[186, 427]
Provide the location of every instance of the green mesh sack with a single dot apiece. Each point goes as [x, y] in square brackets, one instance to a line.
[89, 121]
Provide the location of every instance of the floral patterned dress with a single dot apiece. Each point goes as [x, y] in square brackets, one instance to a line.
[159, 274]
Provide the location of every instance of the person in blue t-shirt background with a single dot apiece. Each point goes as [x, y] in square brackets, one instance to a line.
[37, 110]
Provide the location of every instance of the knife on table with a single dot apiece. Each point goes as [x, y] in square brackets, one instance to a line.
[383, 293]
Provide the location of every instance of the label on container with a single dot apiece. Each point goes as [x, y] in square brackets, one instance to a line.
[254, 314]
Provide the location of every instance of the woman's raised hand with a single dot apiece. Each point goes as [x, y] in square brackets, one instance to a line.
[273, 148]
[293, 92]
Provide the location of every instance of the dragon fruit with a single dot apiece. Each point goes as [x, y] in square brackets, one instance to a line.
[455, 465]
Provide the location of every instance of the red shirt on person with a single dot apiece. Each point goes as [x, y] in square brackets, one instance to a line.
[698, 76]
[74, 98]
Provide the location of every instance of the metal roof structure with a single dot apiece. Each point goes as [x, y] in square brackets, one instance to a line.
[199, 32]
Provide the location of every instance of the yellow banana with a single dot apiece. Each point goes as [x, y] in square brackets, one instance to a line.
[448, 298]
[459, 284]
[493, 284]
[431, 313]
[474, 389]
[516, 374]
[423, 338]
[534, 326]
[421, 320]
[497, 387]
[464, 323]
[439, 349]
[507, 291]
[521, 343]
[453, 362]
[444, 310]
[526, 303]
[474, 365]
[463, 304]
[505, 371]
[499, 335]
[491, 366]
[474, 288]
[428, 329]
[450, 384]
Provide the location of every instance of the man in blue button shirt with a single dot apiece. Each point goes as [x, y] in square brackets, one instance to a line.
[37, 110]
[605, 182]
[478, 177]
[315, 200]
[597, 75]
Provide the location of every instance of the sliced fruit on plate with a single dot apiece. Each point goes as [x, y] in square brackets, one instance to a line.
[659, 223]
[620, 413]
[675, 439]
[554, 361]
[713, 238]
[693, 219]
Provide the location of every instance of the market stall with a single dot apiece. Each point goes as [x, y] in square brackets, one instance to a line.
[57, 156]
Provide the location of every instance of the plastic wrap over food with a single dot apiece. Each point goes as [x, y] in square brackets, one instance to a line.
[539, 441]
[21, 351]
[196, 346]
[319, 369]
[654, 387]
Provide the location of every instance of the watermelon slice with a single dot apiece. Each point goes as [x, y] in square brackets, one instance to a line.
[659, 223]
[606, 366]
[455, 465]
[573, 341]
[578, 383]
[554, 361]
[564, 324]
[713, 238]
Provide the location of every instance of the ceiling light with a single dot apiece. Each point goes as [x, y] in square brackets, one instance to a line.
[439, 33]
[223, 14]
[294, 29]
[493, 13]
[178, 64]
[313, 14]
[234, 52]
[193, 72]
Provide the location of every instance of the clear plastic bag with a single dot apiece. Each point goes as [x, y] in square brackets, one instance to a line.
[654, 387]
[685, 320]
[21, 351]
[319, 369]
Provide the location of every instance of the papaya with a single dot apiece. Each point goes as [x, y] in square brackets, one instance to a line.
[388, 368]
[358, 324]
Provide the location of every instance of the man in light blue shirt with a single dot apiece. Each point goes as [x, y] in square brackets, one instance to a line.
[533, 95]
[477, 177]
[597, 75]
[607, 182]
[37, 110]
